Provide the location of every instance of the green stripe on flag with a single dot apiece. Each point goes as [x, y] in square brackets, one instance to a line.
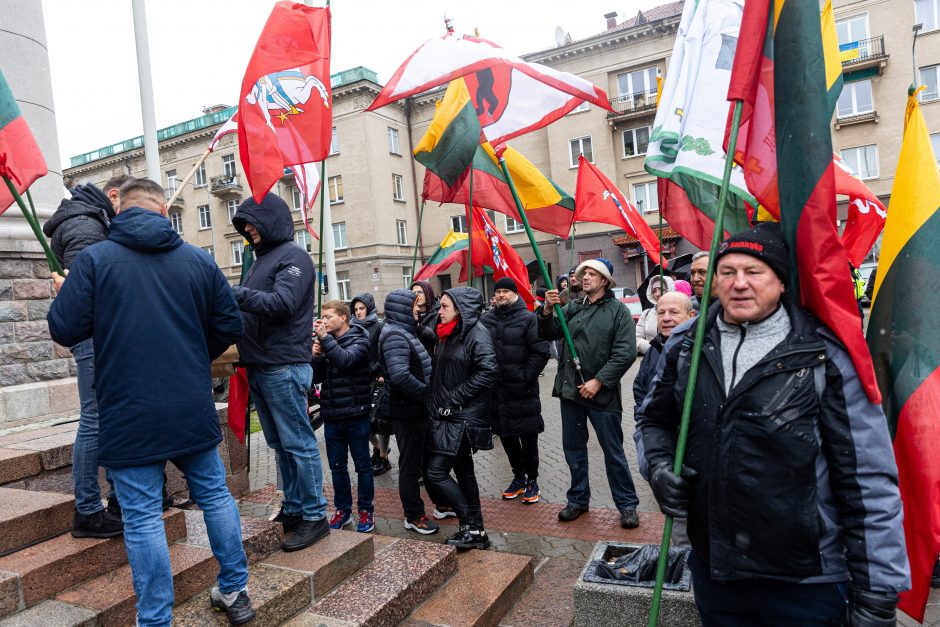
[450, 156]
[443, 253]
[9, 110]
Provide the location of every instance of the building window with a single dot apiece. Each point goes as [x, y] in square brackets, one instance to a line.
[201, 175]
[343, 287]
[228, 165]
[635, 141]
[926, 12]
[863, 160]
[935, 142]
[393, 141]
[334, 143]
[171, 181]
[295, 197]
[584, 106]
[645, 197]
[928, 78]
[176, 221]
[580, 146]
[210, 250]
[636, 82]
[588, 254]
[402, 228]
[205, 218]
[852, 29]
[459, 224]
[335, 185]
[231, 206]
[406, 277]
[512, 226]
[855, 99]
[303, 239]
[339, 236]
[238, 251]
[398, 191]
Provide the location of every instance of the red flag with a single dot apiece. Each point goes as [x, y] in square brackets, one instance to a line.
[238, 403]
[284, 117]
[492, 252]
[21, 160]
[867, 215]
[597, 199]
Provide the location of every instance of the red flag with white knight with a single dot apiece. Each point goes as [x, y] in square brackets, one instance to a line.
[491, 252]
[866, 219]
[597, 199]
[510, 96]
[284, 113]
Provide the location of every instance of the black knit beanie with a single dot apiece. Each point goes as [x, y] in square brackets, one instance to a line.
[765, 242]
[506, 283]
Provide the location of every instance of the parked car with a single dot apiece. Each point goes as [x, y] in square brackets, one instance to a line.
[629, 298]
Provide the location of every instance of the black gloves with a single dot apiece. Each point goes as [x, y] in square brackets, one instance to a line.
[872, 609]
[672, 492]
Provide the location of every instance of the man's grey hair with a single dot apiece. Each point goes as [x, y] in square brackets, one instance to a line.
[699, 255]
[683, 298]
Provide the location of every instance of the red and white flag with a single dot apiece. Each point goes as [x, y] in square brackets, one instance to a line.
[307, 177]
[231, 126]
[867, 215]
[511, 96]
[597, 199]
[492, 253]
[284, 113]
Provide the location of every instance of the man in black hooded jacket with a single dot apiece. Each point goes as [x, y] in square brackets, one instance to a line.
[276, 300]
[79, 222]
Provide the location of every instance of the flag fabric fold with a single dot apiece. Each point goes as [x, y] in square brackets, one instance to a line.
[510, 96]
[284, 113]
[597, 199]
[866, 213]
[492, 254]
[21, 161]
[238, 399]
[229, 127]
[453, 249]
[448, 146]
[904, 337]
[798, 175]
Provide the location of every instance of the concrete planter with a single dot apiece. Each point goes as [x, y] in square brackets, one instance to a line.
[600, 602]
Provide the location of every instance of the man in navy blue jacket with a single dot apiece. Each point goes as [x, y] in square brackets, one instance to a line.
[159, 311]
[276, 300]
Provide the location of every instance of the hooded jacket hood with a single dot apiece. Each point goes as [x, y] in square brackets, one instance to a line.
[670, 287]
[271, 218]
[71, 208]
[143, 230]
[371, 316]
[469, 304]
[91, 195]
[429, 296]
[399, 306]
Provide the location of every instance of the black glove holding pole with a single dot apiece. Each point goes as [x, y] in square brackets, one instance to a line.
[672, 491]
[872, 609]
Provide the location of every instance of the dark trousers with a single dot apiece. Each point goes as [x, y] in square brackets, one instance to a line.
[523, 454]
[352, 435]
[463, 494]
[410, 436]
[765, 602]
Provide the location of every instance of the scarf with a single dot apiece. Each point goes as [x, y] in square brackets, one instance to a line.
[444, 329]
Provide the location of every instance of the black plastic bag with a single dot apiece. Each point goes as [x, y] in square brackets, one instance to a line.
[640, 565]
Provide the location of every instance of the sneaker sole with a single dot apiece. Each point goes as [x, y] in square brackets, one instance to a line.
[372, 528]
[468, 547]
[299, 547]
[96, 534]
[532, 499]
[345, 524]
[219, 607]
[511, 495]
[424, 532]
[444, 515]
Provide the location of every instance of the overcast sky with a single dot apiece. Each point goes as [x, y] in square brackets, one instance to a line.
[199, 49]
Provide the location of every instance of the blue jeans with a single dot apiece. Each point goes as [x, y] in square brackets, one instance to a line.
[280, 396]
[85, 450]
[139, 489]
[350, 434]
[574, 439]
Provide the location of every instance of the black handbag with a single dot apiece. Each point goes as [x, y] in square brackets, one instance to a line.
[379, 424]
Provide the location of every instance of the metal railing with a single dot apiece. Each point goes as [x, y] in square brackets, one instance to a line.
[223, 183]
[858, 117]
[863, 50]
[636, 102]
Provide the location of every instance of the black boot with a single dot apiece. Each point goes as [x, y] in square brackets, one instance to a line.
[307, 533]
[101, 524]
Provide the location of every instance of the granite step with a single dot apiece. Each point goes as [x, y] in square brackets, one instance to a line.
[386, 591]
[47, 568]
[27, 518]
[111, 596]
[52, 446]
[259, 537]
[486, 585]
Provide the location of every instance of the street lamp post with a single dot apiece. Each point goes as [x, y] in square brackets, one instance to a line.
[917, 28]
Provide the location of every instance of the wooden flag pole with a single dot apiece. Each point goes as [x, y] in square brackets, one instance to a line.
[414, 257]
[717, 236]
[545, 275]
[54, 264]
[188, 177]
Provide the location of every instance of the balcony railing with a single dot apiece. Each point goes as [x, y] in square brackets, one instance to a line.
[863, 51]
[635, 103]
[858, 118]
[225, 185]
[168, 193]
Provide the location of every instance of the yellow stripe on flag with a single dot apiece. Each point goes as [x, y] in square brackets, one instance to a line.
[915, 195]
[830, 42]
[534, 189]
[455, 99]
[452, 238]
[778, 8]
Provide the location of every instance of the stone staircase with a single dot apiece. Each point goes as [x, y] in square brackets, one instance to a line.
[47, 577]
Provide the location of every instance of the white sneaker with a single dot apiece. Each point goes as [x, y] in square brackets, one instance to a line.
[447, 513]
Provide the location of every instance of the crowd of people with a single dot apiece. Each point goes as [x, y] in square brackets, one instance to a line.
[788, 494]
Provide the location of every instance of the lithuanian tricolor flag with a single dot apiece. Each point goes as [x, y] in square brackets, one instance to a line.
[904, 337]
[453, 249]
[21, 160]
[448, 146]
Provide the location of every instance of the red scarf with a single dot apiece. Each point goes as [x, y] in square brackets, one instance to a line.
[444, 329]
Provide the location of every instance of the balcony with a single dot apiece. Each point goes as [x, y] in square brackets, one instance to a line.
[848, 120]
[177, 202]
[635, 105]
[225, 186]
[864, 53]
[288, 174]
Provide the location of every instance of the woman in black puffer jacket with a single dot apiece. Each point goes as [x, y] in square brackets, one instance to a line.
[462, 379]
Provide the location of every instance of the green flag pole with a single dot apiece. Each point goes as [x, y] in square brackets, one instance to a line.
[717, 236]
[470, 232]
[414, 257]
[33, 221]
[322, 235]
[545, 275]
[661, 285]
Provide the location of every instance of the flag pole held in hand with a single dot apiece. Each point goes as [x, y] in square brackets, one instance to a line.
[54, 264]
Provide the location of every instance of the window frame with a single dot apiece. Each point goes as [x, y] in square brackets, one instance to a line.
[398, 188]
[461, 223]
[238, 252]
[514, 226]
[632, 131]
[406, 277]
[646, 185]
[394, 145]
[334, 142]
[343, 244]
[851, 18]
[205, 217]
[936, 16]
[856, 165]
[335, 191]
[401, 232]
[231, 208]
[172, 181]
[176, 221]
[627, 95]
[573, 161]
[852, 90]
[200, 178]
[228, 165]
[303, 234]
[343, 285]
[935, 95]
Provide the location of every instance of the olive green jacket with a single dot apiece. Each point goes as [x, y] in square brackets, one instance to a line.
[604, 337]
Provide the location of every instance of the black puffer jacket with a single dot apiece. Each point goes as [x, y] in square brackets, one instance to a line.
[465, 372]
[276, 298]
[371, 325]
[405, 364]
[78, 223]
[343, 369]
[521, 356]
